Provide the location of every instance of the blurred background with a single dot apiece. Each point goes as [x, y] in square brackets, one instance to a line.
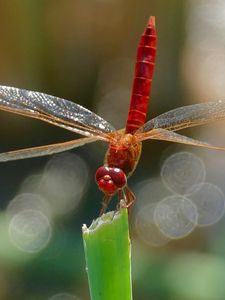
[85, 51]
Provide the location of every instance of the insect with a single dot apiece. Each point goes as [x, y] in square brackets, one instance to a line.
[124, 148]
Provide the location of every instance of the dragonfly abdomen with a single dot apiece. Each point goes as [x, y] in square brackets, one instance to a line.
[144, 68]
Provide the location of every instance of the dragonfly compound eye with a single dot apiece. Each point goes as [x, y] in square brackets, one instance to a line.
[109, 180]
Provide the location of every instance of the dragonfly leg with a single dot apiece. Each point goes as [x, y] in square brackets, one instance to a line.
[130, 198]
[126, 199]
[121, 200]
[105, 203]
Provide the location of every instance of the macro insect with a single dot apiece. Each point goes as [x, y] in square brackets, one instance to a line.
[125, 145]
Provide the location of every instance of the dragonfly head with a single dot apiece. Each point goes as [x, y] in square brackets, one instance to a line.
[109, 179]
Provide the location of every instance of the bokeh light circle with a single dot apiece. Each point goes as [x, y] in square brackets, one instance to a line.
[210, 202]
[64, 182]
[146, 227]
[26, 201]
[182, 172]
[176, 216]
[30, 230]
[64, 296]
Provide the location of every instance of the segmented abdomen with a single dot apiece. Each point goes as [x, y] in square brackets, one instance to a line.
[144, 68]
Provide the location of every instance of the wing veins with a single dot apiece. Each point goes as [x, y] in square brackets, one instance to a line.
[170, 136]
[187, 116]
[80, 129]
[45, 150]
[51, 107]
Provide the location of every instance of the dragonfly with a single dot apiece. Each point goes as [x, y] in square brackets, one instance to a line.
[124, 145]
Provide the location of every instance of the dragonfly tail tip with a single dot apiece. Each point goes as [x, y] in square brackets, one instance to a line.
[151, 21]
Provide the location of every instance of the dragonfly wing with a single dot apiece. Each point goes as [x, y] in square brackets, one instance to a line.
[187, 116]
[45, 150]
[166, 135]
[57, 111]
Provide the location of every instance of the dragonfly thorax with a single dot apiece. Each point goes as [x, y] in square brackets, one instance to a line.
[123, 153]
[109, 180]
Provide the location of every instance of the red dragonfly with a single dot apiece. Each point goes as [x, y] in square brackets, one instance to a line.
[124, 145]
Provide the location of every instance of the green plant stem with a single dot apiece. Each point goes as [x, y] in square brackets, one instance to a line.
[107, 253]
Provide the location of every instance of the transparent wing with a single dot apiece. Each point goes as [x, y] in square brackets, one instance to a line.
[54, 110]
[166, 135]
[45, 150]
[187, 116]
